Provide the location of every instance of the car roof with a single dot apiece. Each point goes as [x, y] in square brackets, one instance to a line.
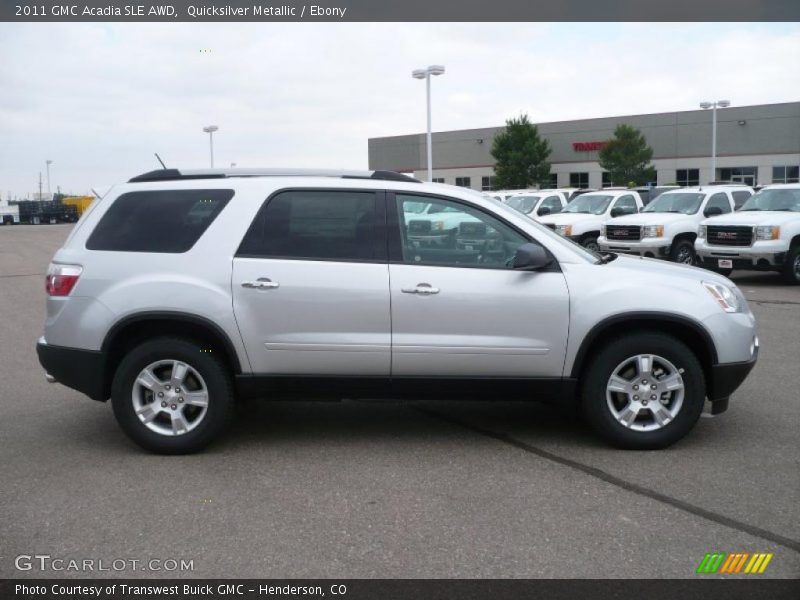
[182, 174]
[703, 189]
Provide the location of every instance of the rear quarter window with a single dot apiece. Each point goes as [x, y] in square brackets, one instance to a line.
[169, 221]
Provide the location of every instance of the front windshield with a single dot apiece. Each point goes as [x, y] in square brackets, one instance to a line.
[591, 204]
[782, 200]
[687, 203]
[523, 204]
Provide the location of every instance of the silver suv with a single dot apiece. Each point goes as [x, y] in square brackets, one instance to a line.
[180, 291]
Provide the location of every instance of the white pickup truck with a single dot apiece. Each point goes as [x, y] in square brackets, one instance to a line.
[582, 218]
[536, 204]
[763, 235]
[667, 227]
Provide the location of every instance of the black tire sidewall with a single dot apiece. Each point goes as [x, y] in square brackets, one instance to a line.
[788, 269]
[594, 403]
[213, 372]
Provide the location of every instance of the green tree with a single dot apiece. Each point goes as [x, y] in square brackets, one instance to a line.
[521, 156]
[627, 156]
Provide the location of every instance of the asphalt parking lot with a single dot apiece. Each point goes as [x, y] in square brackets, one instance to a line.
[378, 489]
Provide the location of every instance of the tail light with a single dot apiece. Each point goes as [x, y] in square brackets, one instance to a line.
[61, 279]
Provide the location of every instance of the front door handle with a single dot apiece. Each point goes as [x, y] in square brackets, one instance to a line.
[423, 289]
[262, 283]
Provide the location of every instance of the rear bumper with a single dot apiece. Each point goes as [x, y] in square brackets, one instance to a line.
[79, 369]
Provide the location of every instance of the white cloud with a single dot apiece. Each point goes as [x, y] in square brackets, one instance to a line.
[98, 99]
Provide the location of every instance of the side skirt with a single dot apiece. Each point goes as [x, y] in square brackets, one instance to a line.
[323, 387]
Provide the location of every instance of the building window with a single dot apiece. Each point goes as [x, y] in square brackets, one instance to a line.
[688, 177]
[786, 174]
[487, 184]
[552, 182]
[438, 180]
[746, 175]
[579, 180]
[606, 182]
[463, 182]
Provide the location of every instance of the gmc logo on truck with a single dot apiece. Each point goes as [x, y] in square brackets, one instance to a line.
[726, 235]
[620, 232]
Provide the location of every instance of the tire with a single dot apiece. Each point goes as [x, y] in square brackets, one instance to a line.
[791, 269]
[683, 252]
[590, 243]
[183, 425]
[684, 406]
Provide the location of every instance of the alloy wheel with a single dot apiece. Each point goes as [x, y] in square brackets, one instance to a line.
[645, 392]
[170, 397]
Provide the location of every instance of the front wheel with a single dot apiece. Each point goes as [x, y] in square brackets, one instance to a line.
[791, 269]
[643, 391]
[683, 252]
[590, 243]
[171, 397]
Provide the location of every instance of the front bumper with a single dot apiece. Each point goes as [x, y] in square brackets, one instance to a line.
[81, 370]
[767, 255]
[648, 247]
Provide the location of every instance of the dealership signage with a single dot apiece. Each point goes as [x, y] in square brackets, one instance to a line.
[587, 146]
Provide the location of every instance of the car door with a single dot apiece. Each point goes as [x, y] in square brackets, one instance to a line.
[311, 284]
[720, 201]
[627, 204]
[459, 310]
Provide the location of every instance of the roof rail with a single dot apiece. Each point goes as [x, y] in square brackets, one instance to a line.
[177, 174]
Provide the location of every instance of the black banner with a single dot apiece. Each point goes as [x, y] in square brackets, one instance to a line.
[401, 10]
[399, 589]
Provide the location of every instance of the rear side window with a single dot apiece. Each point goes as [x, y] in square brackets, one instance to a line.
[169, 221]
[314, 225]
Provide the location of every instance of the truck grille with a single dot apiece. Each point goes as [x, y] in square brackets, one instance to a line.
[729, 235]
[625, 233]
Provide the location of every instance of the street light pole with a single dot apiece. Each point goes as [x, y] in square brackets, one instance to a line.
[713, 106]
[426, 75]
[48, 162]
[210, 131]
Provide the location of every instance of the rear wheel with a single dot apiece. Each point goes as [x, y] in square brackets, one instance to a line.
[643, 391]
[170, 397]
[791, 269]
[683, 252]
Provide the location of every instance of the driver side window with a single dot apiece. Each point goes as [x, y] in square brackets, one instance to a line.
[453, 234]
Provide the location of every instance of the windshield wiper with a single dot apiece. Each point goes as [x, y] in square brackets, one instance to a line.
[606, 257]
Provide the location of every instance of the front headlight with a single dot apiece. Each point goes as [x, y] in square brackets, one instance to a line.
[724, 296]
[768, 232]
[702, 232]
[654, 231]
[565, 230]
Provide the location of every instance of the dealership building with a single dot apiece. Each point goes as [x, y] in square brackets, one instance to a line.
[755, 145]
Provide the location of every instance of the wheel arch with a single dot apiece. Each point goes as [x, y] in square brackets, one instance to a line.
[134, 329]
[690, 332]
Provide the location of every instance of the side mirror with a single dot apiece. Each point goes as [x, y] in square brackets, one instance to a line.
[531, 257]
[617, 211]
[544, 210]
[712, 211]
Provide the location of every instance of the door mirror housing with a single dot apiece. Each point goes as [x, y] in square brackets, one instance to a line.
[712, 211]
[544, 210]
[531, 257]
[617, 211]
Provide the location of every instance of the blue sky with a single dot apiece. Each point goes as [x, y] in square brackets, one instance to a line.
[99, 99]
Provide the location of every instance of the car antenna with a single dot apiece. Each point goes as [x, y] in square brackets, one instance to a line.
[161, 161]
[95, 193]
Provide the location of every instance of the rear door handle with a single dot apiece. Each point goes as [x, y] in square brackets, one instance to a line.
[423, 289]
[262, 283]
